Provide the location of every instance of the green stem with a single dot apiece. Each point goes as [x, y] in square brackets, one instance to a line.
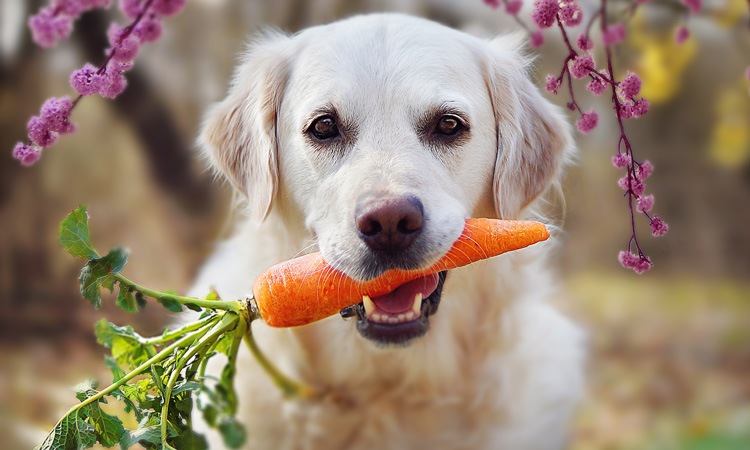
[166, 352]
[198, 337]
[234, 306]
[227, 322]
[290, 388]
[178, 332]
[232, 361]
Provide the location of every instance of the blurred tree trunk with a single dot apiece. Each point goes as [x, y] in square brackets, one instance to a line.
[168, 153]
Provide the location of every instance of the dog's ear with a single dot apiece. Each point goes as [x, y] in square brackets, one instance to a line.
[239, 133]
[533, 136]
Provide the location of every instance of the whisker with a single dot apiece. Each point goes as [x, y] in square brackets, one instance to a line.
[310, 272]
[457, 250]
[306, 249]
[464, 235]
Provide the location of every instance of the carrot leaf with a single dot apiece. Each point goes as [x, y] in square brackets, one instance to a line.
[74, 234]
[159, 381]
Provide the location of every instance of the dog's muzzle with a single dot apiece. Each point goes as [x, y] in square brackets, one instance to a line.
[400, 316]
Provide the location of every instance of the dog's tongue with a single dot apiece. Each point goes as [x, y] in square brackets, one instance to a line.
[402, 298]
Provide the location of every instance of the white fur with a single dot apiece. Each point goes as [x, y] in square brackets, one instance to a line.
[499, 367]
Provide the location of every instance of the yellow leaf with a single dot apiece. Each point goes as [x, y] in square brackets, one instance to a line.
[661, 65]
[730, 138]
[729, 12]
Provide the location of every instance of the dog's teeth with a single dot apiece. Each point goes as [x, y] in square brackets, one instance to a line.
[369, 305]
[410, 315]
[416, 307]
[376, 317]
[392, 320]
[401, 317]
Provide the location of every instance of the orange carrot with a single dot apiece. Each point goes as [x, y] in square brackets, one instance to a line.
[306, 289]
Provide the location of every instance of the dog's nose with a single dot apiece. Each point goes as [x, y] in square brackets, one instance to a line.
[389, 224]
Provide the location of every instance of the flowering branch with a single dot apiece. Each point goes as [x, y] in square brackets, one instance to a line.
[579, 64]
[55, 22]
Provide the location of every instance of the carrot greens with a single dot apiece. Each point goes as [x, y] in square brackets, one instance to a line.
[157, 380]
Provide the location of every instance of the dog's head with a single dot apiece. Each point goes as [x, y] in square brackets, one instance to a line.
[385, 132]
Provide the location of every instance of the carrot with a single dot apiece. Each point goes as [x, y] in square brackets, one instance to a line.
[306, 289]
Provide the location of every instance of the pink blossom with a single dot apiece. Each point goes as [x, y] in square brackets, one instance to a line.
[581, 65]
[91, 4]
[86, 81]
[644, 170]
[640, 107]
[639, 264]
[115, 83]
[55, 114]
[553, 84]
[596, 86]
[167, 7]
[634, 109]
[630, 85]
[115, 34]
[571, 15]
[56, 21]
[513, 7]
[614, 34]
[537, 39]
[624, 182]
[587, 122]
[658, 227]
[47, 27]
[545, 13]
[127, 49]
[119, 67]
[39, 133]
[693, 5]
[27, 154]
[149, 29]
[681, 35]
[645, 203]
[626, 110]
[637, 187]
[632, 185]
[621, 160]
[67, 7]
[130, 8]
[584, 43]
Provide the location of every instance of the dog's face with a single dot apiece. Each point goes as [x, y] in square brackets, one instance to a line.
[385, 132]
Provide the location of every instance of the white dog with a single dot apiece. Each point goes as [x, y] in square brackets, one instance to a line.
[372, 139]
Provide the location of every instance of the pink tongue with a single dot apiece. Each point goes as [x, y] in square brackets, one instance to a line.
[401, 299]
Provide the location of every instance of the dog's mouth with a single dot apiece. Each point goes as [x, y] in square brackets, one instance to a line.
[401, 315]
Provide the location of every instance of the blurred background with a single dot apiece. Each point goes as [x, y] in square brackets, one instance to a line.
[670, 365]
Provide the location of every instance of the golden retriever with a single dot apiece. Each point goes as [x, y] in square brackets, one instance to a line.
[371, 139]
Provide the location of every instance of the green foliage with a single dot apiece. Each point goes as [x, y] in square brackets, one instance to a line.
[154, 378]
[70, 433]
[127, 347]
[170, 303]
[126, 300]
[99, 273]
[74, 234]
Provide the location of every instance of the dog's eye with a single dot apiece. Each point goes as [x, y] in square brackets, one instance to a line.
[448, 125]
[324, 127]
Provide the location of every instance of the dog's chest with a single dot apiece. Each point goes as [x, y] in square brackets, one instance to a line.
[440, 392]
[455, 416]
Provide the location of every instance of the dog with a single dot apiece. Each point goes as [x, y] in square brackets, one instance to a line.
[371, 139]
